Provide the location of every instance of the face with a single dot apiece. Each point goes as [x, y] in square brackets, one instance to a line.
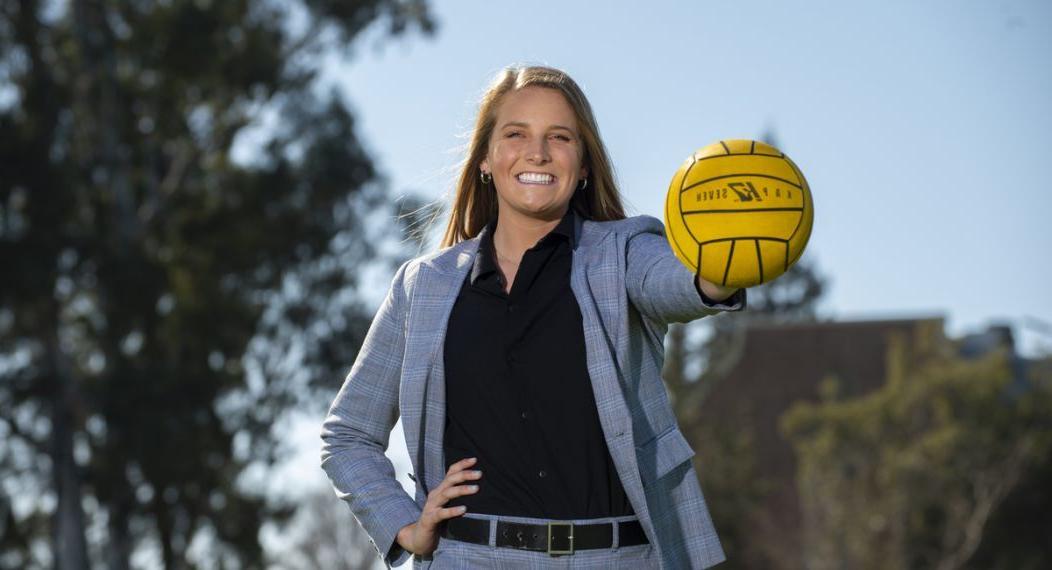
[535, 154]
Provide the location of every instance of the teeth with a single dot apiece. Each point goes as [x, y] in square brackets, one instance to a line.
[535, 178]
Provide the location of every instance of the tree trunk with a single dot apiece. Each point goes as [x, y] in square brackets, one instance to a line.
[70, 547]
[118, 551]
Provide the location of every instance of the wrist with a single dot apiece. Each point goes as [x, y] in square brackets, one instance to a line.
[714, 292]
[404, 538]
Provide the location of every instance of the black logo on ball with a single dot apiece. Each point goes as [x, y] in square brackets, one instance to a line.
[748, 194]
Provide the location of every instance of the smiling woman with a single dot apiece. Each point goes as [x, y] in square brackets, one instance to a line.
[524, 349]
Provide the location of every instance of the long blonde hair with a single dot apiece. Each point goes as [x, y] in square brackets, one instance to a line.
[475, 203]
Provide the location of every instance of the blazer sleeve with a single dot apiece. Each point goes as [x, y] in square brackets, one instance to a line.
[660, 286]
[357, 429]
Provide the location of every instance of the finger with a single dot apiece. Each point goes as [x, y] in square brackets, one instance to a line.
[454, 485]
[447, 491]
[460, 491]
[454, 469]
[461, 465]
[465, 475]
[450, 512]
[432, 517]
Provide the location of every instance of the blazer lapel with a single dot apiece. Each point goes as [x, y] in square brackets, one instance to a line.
[598, 285]
[593, 281]
[423, 382]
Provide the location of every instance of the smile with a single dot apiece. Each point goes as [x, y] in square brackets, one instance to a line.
[535, 178]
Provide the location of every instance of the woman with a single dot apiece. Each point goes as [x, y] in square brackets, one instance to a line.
[524, 359]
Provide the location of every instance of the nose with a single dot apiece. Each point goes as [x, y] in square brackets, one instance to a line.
[538, 151]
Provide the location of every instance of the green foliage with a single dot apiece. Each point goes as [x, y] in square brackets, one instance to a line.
[163, 303]
[910, 475]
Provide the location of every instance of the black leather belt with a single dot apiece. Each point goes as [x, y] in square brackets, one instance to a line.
[555, 538]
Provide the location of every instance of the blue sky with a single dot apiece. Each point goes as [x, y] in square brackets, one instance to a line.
[919, 125]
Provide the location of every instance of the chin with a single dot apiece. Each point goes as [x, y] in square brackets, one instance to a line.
[542, 213]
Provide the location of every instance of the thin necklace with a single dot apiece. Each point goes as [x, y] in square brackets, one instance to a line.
[501, 256]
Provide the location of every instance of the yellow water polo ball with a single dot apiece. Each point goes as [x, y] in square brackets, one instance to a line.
[739, 210]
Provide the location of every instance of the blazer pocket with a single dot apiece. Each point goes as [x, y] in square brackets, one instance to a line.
[665, 452]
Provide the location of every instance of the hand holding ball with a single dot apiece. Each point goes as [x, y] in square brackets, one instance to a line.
[739, 210]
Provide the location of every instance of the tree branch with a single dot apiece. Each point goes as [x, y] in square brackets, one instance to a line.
[989, 491]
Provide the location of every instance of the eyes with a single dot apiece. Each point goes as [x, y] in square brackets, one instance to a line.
[555, 136]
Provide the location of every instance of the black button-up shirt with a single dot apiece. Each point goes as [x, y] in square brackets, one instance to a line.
[518, 393]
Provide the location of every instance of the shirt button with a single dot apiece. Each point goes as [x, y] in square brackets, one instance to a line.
[511, 308]
[523, 415]
[542, 473]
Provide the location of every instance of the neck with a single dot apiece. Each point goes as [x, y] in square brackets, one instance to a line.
[515, 234]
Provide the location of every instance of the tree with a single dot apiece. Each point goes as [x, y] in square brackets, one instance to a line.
[319, 536]
[911, 475]
[150, 277]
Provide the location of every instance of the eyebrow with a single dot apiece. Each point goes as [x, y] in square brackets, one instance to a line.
[521, 124]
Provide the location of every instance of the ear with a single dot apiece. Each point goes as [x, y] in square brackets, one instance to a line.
[484, 165]
[584, 172]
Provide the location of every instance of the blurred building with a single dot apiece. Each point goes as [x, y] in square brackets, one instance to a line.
[782, 364]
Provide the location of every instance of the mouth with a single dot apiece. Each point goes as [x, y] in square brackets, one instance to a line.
[536, 178]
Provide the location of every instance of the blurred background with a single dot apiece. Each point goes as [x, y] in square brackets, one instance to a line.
[203, 202]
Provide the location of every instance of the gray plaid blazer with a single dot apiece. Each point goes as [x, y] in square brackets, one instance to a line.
[629, 286]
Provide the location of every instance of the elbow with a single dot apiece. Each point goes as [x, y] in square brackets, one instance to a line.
[337, 439]
[341, 442]
[328, 446]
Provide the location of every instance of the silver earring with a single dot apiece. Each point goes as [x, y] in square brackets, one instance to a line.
[584, 184]
[486, 177]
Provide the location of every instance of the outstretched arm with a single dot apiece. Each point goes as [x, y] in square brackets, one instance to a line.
[663, 289]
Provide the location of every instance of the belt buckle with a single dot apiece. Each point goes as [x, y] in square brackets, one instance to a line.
[555, 552]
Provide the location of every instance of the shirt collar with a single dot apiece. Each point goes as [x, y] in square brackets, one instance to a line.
[486, 260]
